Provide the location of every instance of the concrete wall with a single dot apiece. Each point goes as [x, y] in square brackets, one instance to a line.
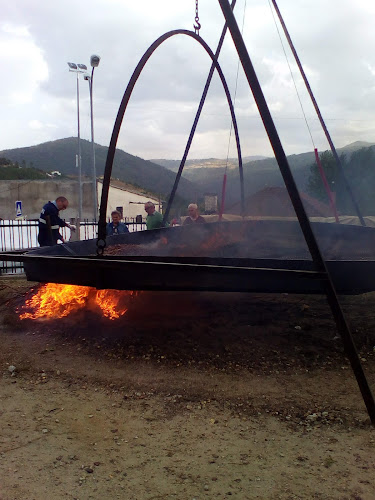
[34, 194]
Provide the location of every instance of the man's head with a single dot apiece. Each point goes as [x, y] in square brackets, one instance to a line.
[62, 203]
[193, 210]
[149, 207]
[116, 216]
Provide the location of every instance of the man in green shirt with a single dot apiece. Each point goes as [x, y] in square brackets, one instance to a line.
[154, 219]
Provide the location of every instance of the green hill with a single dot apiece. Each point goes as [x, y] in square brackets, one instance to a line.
[60, 155]
[259, 174]
[15, 172]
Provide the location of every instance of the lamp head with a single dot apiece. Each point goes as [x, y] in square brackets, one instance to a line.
[94, 61]
[72, 65]
[82, 66]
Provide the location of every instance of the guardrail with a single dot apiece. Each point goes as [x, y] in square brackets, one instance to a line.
[23, 234]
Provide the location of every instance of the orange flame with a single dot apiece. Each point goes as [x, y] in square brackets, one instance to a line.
[109, 303]
[53, 301]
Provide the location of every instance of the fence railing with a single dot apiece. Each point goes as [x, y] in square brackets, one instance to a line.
[23, 234]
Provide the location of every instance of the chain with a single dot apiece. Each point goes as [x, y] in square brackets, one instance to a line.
[197, 26]
[100, 246]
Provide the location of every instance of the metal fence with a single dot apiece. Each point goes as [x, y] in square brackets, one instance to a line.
[23, 234]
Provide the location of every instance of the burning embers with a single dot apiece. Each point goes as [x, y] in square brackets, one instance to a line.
[201, 243]
[53, 301]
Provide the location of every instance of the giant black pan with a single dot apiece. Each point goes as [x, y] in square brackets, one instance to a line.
[252, 256]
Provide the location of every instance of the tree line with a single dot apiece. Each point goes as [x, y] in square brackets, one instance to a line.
[14, 171]
[358, 168]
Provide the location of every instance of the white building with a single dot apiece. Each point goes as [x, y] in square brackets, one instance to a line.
[123, 198]
[210, 203]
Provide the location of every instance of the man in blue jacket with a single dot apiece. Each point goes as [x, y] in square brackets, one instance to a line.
[50, 222]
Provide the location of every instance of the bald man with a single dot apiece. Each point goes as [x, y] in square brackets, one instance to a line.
[50, 222]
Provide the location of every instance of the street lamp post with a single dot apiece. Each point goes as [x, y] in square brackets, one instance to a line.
[94, 61]
[78, 68]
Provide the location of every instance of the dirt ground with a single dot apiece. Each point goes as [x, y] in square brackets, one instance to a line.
[188, 396]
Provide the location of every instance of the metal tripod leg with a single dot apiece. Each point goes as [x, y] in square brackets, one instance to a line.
[290, 184]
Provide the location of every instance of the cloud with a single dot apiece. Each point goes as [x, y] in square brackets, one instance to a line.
[23, 61]
[38, 94]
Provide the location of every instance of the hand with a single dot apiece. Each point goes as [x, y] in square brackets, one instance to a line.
[72, 227]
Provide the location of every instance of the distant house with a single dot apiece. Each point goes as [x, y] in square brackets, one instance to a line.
[275, 201]
[210, 203]
[126, 199]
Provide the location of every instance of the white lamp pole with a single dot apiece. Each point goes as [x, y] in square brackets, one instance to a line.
[94, 61]
[78, 68]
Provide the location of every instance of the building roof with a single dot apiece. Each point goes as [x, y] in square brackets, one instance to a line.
[116, 183]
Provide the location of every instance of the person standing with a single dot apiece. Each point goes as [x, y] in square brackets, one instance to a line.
[116, 226]
[193, 217]
[154, 219]
[50, 222]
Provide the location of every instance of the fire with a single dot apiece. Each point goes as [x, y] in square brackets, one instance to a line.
[53, 301]
[109, 303]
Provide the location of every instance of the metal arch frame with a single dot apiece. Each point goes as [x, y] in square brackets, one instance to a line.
[101, 241]
[193, 129]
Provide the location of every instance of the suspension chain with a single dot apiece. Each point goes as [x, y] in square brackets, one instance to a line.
[197, 26]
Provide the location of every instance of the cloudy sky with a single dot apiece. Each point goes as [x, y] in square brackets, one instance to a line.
[335, 41]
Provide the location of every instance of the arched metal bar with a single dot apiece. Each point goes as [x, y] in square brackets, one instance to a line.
[120, 115]
[193, 129]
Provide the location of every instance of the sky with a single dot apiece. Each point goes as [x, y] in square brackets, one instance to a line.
[335, 42]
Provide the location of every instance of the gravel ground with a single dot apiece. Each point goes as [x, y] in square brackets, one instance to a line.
[186, 396]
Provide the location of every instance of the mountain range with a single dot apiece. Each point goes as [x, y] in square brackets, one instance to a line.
[60, 155]
[258, 173]
[174, 165]
[157, 176]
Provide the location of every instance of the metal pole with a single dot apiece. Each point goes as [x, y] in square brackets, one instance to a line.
[193, 129]
[95, 195]
[78, 68]
[322, 122]
[79, 158]
[295, 198]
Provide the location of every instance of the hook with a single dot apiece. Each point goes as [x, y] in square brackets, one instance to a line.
[197, 26]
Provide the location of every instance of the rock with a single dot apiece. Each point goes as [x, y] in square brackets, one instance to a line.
[12, 370]
[312, 417]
